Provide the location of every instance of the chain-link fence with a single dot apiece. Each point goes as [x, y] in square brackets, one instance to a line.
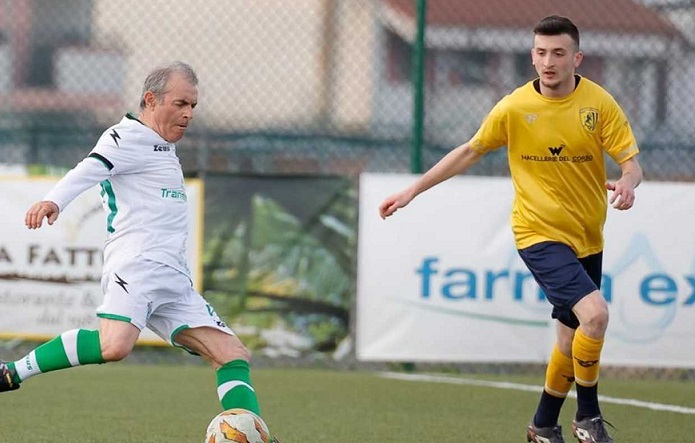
[325, 86]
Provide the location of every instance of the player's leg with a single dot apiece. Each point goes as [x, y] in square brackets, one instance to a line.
[183, 318]
[592, 312]
[128, 290]
[562, 277]
[122, 315]
[113, 341]
[559, 378]
[230, 359]
[71, 348]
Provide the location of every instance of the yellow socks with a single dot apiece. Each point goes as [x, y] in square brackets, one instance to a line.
[559, 377]
[586, 352]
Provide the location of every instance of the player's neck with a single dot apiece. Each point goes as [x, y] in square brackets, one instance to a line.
[147, 120]
[561, 90]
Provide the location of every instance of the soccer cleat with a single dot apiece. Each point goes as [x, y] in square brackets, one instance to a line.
[591, 430]
[274, 440]
[7, 383]
[551, 434]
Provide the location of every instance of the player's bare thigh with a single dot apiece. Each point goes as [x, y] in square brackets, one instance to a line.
[213, 345]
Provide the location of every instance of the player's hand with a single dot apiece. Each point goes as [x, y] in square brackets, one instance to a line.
[394, 202]
[623, 196]
[39, 211]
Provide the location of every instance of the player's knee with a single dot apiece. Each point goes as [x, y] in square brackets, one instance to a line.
[234, 350]
[111, 352]
[596, 323]
[237, 350]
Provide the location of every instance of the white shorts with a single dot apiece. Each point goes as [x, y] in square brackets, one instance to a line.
[148, 293]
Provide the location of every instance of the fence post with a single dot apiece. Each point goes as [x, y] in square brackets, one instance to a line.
[418, 89]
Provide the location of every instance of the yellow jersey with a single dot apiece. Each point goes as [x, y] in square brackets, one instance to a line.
[555, 149]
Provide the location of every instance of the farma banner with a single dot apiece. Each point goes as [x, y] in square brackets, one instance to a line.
[441, 280]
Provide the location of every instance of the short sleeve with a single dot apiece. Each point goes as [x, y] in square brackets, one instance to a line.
[616, 134]
[493, 132]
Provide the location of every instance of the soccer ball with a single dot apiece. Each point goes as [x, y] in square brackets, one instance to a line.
[237, 426]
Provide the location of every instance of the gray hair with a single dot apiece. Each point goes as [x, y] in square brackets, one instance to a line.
[156, 81]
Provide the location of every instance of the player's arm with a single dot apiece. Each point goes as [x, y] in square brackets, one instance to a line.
[623, 196]
[455, 162]
[86, 174]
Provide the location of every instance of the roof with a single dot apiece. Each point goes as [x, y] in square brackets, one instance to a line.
[616, 16]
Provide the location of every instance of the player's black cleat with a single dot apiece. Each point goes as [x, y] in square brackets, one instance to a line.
[7, 382]
[551, 434]
[591, 430]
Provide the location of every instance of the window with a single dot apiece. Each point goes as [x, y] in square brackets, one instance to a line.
[398, 58]
[461, 68]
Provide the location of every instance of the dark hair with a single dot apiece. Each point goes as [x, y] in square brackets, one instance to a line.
[156, 81]
[556, 25]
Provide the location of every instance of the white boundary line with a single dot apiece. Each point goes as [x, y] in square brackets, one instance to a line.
[533, 388]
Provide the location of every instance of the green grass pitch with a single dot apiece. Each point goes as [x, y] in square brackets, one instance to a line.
[124, 403]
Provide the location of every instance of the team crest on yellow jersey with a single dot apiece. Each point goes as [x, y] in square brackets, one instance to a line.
[589, 118]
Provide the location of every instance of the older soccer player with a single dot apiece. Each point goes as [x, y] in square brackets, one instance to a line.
[145, 279]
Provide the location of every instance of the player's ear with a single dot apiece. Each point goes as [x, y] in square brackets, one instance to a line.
[578, 57]
[150, 99]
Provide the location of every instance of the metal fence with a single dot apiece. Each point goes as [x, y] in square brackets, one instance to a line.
[325, 86]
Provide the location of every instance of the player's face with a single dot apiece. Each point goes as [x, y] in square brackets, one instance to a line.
[555, 58]
[174, 112]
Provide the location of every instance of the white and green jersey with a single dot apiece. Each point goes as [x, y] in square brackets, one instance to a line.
[143, 194]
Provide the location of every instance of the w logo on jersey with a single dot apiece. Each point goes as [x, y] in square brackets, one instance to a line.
[556, 150]
[589, 118]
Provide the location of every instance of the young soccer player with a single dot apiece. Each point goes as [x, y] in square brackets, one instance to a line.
[556, 129]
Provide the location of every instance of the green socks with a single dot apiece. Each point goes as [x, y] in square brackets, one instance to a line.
[71, 348]
[234, 387]
[82, 347]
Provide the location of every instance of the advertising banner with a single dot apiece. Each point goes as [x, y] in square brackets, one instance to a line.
[441, 280]
[50, 277]
[280, 255]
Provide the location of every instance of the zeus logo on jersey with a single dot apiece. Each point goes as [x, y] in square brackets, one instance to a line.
[162, 148]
